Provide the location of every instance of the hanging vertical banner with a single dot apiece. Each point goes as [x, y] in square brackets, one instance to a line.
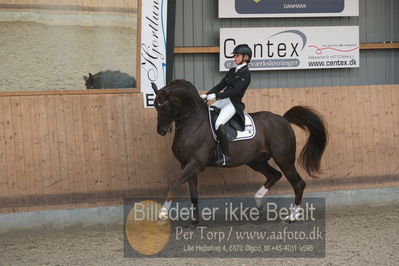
[153, 47]
[287, 8]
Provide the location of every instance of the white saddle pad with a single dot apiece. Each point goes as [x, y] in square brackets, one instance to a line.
[248, 133]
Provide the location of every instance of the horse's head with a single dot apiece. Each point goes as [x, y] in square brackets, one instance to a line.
[174, 102]
[167, 107]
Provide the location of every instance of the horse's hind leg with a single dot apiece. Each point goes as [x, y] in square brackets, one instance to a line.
[271, 174]
[298, 184]
[296, 181]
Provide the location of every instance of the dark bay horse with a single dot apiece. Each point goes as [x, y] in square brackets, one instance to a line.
[194, 145]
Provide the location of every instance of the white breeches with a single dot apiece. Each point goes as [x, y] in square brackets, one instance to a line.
[227, 111]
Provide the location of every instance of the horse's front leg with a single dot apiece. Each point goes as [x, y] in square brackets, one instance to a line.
[193, 184]
[189, 170]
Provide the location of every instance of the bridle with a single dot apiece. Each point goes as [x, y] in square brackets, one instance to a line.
[171, 118]
[166, 119]
[180, 121]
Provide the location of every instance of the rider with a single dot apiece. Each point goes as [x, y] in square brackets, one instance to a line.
[235, 83]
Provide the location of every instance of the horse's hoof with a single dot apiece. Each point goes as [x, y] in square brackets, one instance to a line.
[161, 222]
[259, 203]
[294, 217]
[163, 218]
[289, 221]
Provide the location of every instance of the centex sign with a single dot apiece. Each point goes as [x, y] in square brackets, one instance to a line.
[293, 48]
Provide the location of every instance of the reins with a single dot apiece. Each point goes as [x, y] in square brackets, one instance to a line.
[170, 118]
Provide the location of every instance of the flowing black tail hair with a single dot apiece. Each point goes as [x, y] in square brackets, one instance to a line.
[308, 119]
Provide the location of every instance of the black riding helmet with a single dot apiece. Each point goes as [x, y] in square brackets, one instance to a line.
[243, 49]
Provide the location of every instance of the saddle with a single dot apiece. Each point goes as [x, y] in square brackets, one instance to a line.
[235, 129]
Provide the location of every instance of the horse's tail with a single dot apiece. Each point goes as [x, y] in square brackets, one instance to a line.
[306, 118]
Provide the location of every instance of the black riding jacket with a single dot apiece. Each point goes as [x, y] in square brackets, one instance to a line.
[234, 84]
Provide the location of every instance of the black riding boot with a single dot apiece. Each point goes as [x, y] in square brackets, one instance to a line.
[223, 147]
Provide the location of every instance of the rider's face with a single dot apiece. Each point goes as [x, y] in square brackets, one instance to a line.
[238, 58]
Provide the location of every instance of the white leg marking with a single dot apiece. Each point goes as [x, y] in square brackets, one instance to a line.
[261, 192]
[295, 213]
[163, 214]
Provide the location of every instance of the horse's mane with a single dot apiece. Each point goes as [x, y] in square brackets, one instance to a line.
[183, 84]
[187, 87]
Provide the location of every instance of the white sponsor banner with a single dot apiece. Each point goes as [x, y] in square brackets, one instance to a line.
[153, 47]
[293, 48]
[287, 8]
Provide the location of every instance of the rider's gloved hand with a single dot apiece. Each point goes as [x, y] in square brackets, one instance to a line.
[204, 97]
[211, 97]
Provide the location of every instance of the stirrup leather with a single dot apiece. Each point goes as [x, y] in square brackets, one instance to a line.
[223, 160]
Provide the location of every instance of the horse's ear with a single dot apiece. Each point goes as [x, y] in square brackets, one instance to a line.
[154, 87]
[85, 78]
